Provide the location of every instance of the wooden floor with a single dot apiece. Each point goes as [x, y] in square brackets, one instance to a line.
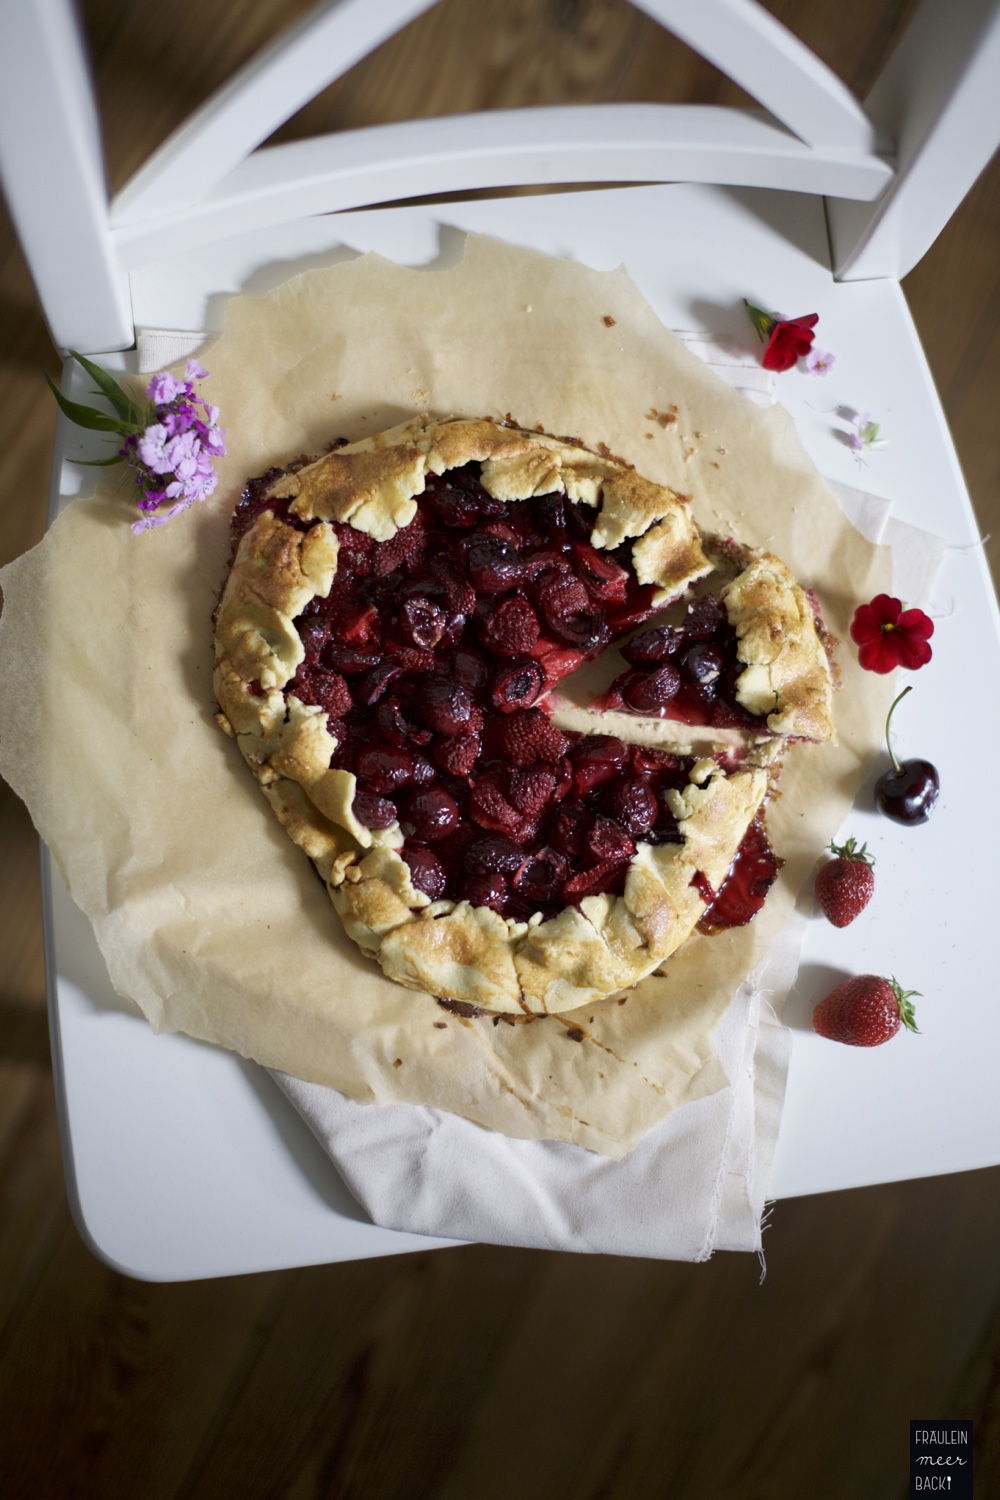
[478, 1372]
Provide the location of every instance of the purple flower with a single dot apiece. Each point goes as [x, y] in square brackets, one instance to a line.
[819, 361]
[163, 388]
[194, 371]
[152, 448]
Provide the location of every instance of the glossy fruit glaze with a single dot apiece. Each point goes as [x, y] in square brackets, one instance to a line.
[686, 672]
[744, 890]
[429, 657]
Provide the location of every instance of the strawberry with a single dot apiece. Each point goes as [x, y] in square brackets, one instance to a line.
[865, 1011]
[512, 628]
[846, 884]
[528, 735]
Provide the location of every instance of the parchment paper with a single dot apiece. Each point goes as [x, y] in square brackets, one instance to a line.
[209, 919]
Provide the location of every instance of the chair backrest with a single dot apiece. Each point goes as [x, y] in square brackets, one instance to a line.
[892, 173]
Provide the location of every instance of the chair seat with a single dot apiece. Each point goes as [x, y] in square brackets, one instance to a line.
[186, 1161]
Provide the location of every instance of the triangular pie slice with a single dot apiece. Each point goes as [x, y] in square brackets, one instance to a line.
[397, 647]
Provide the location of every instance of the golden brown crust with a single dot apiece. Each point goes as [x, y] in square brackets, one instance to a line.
[465, 953]
[787, 677]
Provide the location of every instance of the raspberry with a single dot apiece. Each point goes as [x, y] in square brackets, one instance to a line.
[411, 659]
[457, 754]
[405, 548]
[490, 809]
[561, 597]
[529, 735]
[327, 690]
[512, 629]
[530, 790]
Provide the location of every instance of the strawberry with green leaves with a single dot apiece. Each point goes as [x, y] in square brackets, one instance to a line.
[865, 1011]
[846, 884]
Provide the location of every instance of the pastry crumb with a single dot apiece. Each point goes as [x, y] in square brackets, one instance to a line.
[398, 1062]
[609, 321]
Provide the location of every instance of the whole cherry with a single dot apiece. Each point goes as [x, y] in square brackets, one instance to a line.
[907, 793]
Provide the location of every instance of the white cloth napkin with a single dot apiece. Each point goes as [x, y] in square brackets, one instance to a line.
[696, 1183]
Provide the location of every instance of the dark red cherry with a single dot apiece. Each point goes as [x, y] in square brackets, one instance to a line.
[655, 645]
[651, 694]
[493, 856]
[374, 812]
[517, 685]
[633, 804]
[444, 706]
[493, 564]
[421, 622]
[703, 663]
[432, 813]
[384, 768]
[427, 872]
[909, 794]
[486, 890]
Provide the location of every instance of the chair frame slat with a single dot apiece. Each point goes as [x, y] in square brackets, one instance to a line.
[52, 172]
[936, 106]
[557, 144]
[939, 99]
[258, 99]
[749, 45]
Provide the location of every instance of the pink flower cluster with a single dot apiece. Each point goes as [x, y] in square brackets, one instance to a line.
[171, 457]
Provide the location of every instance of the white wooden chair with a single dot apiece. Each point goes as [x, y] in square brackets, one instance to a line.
[847, 199]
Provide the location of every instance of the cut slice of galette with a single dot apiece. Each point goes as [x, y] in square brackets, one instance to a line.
[397, 644]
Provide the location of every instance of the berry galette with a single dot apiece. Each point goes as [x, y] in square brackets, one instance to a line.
[397, 617]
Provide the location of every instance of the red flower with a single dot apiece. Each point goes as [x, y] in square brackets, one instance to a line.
[888, 636]
[788, 339]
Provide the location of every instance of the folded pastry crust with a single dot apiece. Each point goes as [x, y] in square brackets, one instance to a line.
[455, 950]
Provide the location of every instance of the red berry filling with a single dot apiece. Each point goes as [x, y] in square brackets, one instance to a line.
[686, 672]
[429, 656]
